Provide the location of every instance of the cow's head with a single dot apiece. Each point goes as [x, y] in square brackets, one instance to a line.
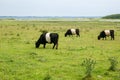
[65, 34]
[99, 37]
[37, 44]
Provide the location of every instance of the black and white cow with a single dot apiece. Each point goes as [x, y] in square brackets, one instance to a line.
[72, 32]
[48, 38]
[106, 33]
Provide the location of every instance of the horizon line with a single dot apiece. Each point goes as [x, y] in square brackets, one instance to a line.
[51, 16]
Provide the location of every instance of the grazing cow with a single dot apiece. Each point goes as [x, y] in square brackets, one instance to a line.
[106, 33]
[48, 38]
[72, 32]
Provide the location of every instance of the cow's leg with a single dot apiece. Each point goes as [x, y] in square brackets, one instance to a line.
[53, 45]
[112, 37]
[78, 35]
[105, 37]
[44, 45]
[57, 46]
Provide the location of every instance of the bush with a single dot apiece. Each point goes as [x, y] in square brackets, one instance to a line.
[113, 62]
[89, 65]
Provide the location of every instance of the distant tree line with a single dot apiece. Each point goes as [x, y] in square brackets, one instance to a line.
[113, 16]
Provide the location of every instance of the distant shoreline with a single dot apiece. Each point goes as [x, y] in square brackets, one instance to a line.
[36, 17]
[57, 18]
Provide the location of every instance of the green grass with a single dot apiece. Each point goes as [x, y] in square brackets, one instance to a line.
[20, 60]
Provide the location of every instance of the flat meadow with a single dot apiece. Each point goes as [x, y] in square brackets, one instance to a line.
[20, 60]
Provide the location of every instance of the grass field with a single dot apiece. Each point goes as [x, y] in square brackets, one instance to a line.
[20, 60]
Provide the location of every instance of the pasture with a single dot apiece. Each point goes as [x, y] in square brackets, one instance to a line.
[20, 60]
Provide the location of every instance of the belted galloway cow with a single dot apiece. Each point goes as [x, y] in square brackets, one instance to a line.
[47, 37]
[72, 32]
[106, 33]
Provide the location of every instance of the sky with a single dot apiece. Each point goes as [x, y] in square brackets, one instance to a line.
[59, 7]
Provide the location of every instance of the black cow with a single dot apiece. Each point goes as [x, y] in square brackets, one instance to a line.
[72, 32]
[106, 33]
[48, 38]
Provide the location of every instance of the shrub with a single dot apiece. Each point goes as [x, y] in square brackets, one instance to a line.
[89, 65]
[113, 62]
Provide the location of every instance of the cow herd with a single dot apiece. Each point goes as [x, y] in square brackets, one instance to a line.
[47, 37]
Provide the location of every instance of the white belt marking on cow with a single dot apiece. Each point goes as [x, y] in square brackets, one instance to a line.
[47, 36]
[107, 32]
[73, 31]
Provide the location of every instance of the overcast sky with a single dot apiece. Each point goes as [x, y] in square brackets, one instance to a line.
[59, 7]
